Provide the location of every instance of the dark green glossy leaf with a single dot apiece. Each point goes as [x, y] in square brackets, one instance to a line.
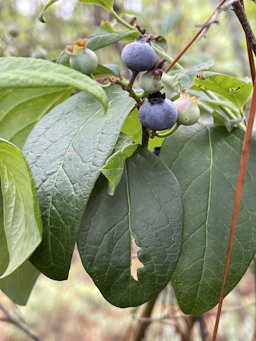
[146, 208]
[206, 162]
[19, 284]
[66, 150]
[20, 222]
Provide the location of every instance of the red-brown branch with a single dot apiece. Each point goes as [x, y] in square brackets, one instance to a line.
[237, 203]
[205, 26]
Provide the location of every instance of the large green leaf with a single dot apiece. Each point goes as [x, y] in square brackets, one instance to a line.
[22, 108]
[104, 38]
[235, 90]
[20, 221]
[66, 150]
[206, 162]
[107, 4]
[146, 207]
[20, 283]
[19, 72]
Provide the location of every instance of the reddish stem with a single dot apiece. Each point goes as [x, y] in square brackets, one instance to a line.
[237, 203]
[207, 23]
[251, 60]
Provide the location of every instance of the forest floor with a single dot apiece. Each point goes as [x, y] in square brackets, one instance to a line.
[74, 310]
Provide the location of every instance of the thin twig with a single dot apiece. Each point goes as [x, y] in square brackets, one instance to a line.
[240, 13]
[250, 55]
[143, 325]
[204, 28]
[237, 203]
[129, 89]
[145, 137]
[132, 80]
[10, 318]
[202, 328]
[169, 317]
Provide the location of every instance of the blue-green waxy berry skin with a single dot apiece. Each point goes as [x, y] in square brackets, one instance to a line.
[139, 56]
[158, 116]
[85, 62]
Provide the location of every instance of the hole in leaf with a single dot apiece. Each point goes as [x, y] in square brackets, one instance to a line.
[235, 89]
[135, 262]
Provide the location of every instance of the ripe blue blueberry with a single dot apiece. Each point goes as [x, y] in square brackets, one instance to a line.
[158, 113]
[139, 56]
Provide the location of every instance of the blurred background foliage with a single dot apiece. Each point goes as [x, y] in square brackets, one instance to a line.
[75, 310]
[22, 34]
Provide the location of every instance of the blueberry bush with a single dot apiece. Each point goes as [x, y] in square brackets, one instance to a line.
[142, 159]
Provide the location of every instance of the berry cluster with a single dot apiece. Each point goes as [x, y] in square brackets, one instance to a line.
[157, 112]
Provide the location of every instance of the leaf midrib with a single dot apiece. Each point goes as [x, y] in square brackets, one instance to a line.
[129, 225]
[57, 174]
[207, 217]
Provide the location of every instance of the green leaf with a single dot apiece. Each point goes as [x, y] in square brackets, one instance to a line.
[66, 150]
[132, 126]
[19, 72]
[102, 71]
[103, 38]
[146, 208]
[206, 162]
[22, 108]
[19, 284]
[221, 119]
[235, 90]
[185, 77]
[107, 4]
[41, 15]
[114, 167]
[20, 223]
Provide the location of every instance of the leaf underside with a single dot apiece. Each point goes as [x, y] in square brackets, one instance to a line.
[147, 207]
[19, 72]
[22, 108]
[20, 283]
[206, 161]
[20, 222]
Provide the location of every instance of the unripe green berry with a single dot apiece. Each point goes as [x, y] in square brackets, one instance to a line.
[63, 58]
[188, 110]
[150, 81]
[39, 54]
[85, 62]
